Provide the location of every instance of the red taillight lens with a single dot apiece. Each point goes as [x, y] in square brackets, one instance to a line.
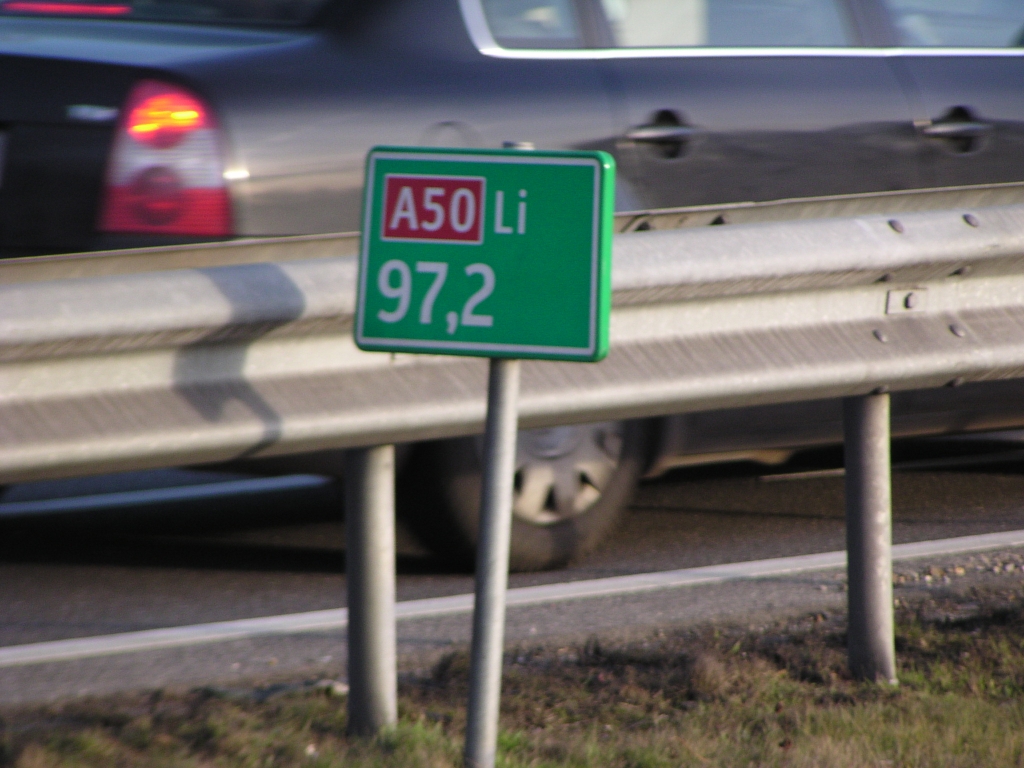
[162, 116]
[156, 196]
[166, 169]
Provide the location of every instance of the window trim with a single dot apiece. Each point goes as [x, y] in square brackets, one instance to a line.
[480, 33]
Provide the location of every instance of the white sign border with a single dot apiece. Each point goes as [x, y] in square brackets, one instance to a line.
[467, 347]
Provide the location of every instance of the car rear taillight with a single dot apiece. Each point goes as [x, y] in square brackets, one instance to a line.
[166, 170]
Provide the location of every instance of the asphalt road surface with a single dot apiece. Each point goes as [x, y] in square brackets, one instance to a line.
[139, 562]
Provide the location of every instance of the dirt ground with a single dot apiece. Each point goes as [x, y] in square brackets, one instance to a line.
[773, 695]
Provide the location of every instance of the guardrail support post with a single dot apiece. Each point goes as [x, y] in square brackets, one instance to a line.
[370, 566]
[871, 640]
[492, 564]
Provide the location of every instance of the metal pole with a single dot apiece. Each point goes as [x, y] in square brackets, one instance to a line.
[492, 563]
[871, 642]
[370, 563]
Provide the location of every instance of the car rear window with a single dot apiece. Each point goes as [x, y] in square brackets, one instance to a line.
[958, 23]
[287, 12]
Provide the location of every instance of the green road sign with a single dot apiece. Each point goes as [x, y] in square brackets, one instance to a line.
[494, 253]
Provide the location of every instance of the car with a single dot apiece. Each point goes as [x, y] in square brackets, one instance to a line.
[148, 122]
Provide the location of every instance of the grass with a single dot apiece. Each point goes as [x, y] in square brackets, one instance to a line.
[779, 696]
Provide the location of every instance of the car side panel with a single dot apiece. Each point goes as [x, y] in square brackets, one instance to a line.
[766, 127]
[968, 87]
[302, 120]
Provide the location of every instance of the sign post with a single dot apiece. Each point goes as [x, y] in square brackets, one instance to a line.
[492, 563]
[504, 254]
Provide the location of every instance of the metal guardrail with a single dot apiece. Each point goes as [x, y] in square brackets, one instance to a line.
[156, 368]
[303, 247]
[127, 368]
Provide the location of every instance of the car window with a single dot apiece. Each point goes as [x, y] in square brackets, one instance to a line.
[958, 23]
[727, 23]
[533, 23]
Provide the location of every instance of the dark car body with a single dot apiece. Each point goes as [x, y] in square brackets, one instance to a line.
[702, 102]
[767, 107]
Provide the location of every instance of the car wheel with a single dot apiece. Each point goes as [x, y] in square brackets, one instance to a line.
[571, 485]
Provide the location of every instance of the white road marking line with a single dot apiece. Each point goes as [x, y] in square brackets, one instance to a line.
[200, 491]
[336, 619]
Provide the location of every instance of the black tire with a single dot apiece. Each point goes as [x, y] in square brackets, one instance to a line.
[439, 495]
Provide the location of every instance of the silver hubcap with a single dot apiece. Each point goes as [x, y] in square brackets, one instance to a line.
[562, 471]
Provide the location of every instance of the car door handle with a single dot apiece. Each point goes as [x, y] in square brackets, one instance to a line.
[659, 133]
[956, 130]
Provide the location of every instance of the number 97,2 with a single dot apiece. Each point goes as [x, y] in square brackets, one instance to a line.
[394, 281]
